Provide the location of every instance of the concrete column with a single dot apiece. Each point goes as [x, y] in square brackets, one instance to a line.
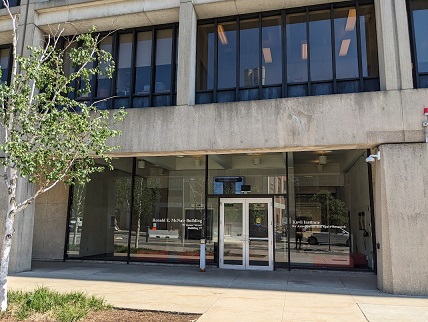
[401, 211]
[186, 54]
[22, 242]
[395, 64]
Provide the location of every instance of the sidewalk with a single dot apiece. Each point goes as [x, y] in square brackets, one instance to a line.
[228, 295]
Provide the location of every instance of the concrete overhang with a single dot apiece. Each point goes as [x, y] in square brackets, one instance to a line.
[78, 16]
[220, 8]
[346, 121]
[6, 25]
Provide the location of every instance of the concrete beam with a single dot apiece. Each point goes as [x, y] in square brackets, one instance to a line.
[220, 8]
[78, 16]
[291, 124]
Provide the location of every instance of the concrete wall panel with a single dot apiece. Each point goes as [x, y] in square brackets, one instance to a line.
[50, 224]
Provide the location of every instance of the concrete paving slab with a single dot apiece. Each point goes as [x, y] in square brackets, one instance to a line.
[230, 295]
[396, 313]
[327, 314]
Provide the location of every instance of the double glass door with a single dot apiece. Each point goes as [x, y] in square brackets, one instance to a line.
[246, 231]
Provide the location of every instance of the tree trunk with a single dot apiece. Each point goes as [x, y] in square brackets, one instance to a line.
[76, 227]
[5, 252]
[7, 239]
[137, 236]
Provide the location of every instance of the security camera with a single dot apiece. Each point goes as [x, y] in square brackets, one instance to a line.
[371, 158]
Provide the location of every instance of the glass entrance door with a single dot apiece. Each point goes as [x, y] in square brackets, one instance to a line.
[246, 231]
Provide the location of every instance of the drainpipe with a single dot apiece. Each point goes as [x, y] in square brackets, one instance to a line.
[425, 124]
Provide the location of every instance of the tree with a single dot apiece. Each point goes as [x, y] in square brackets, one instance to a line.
[47, 137]
[336, 212]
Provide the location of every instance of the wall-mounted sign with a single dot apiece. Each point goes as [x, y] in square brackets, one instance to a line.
[228, 185]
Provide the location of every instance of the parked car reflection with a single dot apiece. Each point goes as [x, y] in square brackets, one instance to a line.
[338, 236]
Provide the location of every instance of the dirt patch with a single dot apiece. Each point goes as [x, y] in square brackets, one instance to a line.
[122, 315]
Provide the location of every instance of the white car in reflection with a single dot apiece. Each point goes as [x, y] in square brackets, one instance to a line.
[338, 236]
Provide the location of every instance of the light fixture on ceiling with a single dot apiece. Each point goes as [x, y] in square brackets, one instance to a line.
[198, 163]
[322, 159]
[304, 51]
[344, 47]
[180, 156]
[267, 54]
[257, 161]
[222, 34]
[141, 164]
[352, 19]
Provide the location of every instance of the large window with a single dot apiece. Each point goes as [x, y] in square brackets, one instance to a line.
[5, 57]
[298, 52]
[12, 3]
[419, 30]
[157, 209]
[147, 209]
[145, 73]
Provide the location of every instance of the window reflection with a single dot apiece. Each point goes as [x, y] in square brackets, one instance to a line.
[345, 32]
[271, 51]
[250, 73]
[368, 42]
[163, 60]
[329, 225]
[123, 68]
[320, 45]
[315, 65]
[226, 55]
[297, 48]
[420, 22]
[12, 3]
[100, 214]
[103, 82]
[205, 58]
[168, 212]
[4, 64]
[143, 63]
[136, 56]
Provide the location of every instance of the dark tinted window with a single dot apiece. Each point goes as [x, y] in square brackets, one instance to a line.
[299, 52]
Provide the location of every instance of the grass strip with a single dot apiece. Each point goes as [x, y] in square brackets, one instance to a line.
[52, 305]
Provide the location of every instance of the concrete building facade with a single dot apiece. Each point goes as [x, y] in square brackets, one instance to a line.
[249, 124]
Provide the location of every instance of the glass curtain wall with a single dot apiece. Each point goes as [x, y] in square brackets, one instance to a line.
[168, 216]
[329, 224]
[152, 209]
[145, 69]
[100, 214]
[419, 29]
[300, 52]
[250, 176]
